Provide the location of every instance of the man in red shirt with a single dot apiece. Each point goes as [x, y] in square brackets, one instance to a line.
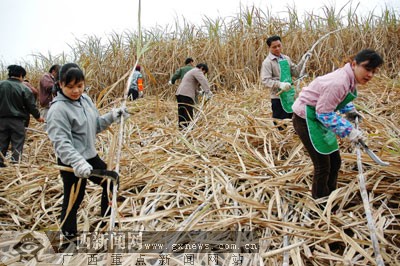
[46, 89]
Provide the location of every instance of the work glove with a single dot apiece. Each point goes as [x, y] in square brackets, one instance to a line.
[352, 115]
[208, 95]
[118, 112]
[285, 86]
[355, 135]
[82, 168]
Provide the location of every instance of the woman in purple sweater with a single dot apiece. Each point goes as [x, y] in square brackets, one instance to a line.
[317, 119]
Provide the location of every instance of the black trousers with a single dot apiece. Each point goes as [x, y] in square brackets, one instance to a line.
[326, 167]
[185, 110]
[277, 110]
[69, 228]
[12, 131]
[133, 94]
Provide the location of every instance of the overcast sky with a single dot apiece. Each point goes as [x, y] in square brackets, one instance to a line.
[43, 26]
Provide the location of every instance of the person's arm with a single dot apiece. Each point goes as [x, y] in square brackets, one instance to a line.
[328, 101]
[177, 75]
[30, 103]
[103, 121]
[267, 76]
[335, 123]
[348, 108]
[202, 80]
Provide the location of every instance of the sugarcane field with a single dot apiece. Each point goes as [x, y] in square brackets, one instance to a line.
[233, 187]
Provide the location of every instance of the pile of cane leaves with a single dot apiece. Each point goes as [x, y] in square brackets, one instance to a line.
[233, 171]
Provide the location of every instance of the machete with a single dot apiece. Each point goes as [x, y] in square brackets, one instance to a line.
[102, 173]
[371, 154]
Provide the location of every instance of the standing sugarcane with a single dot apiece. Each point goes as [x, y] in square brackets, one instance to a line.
[139, 51]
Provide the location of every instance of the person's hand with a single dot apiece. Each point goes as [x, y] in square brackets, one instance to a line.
[285, 86]
[40, 119]
[355, 135]
[352, 115]
[169, 82]
[82, 168]
[208, 95]
[118, 112]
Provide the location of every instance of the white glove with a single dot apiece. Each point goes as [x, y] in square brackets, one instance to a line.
[285, 86]
[117, 112]
[355, 135]
[82, 169]
[352, 115]
[169, 82]
[208, 95]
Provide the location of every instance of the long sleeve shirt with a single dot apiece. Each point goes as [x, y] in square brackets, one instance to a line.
[191, 83]
[271, 73]
[325, 93]
[180, 72]
[72, 127]
[46, 90]
[134, 83]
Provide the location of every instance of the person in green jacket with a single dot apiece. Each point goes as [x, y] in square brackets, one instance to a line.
[180, 72]
[16, 103]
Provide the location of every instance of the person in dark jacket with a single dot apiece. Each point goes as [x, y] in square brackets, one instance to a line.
[16, 103]
[180, 72]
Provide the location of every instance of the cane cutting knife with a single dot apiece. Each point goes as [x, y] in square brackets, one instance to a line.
[371, 154]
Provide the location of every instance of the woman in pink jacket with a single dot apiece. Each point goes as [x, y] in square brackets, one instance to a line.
[317, 119]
